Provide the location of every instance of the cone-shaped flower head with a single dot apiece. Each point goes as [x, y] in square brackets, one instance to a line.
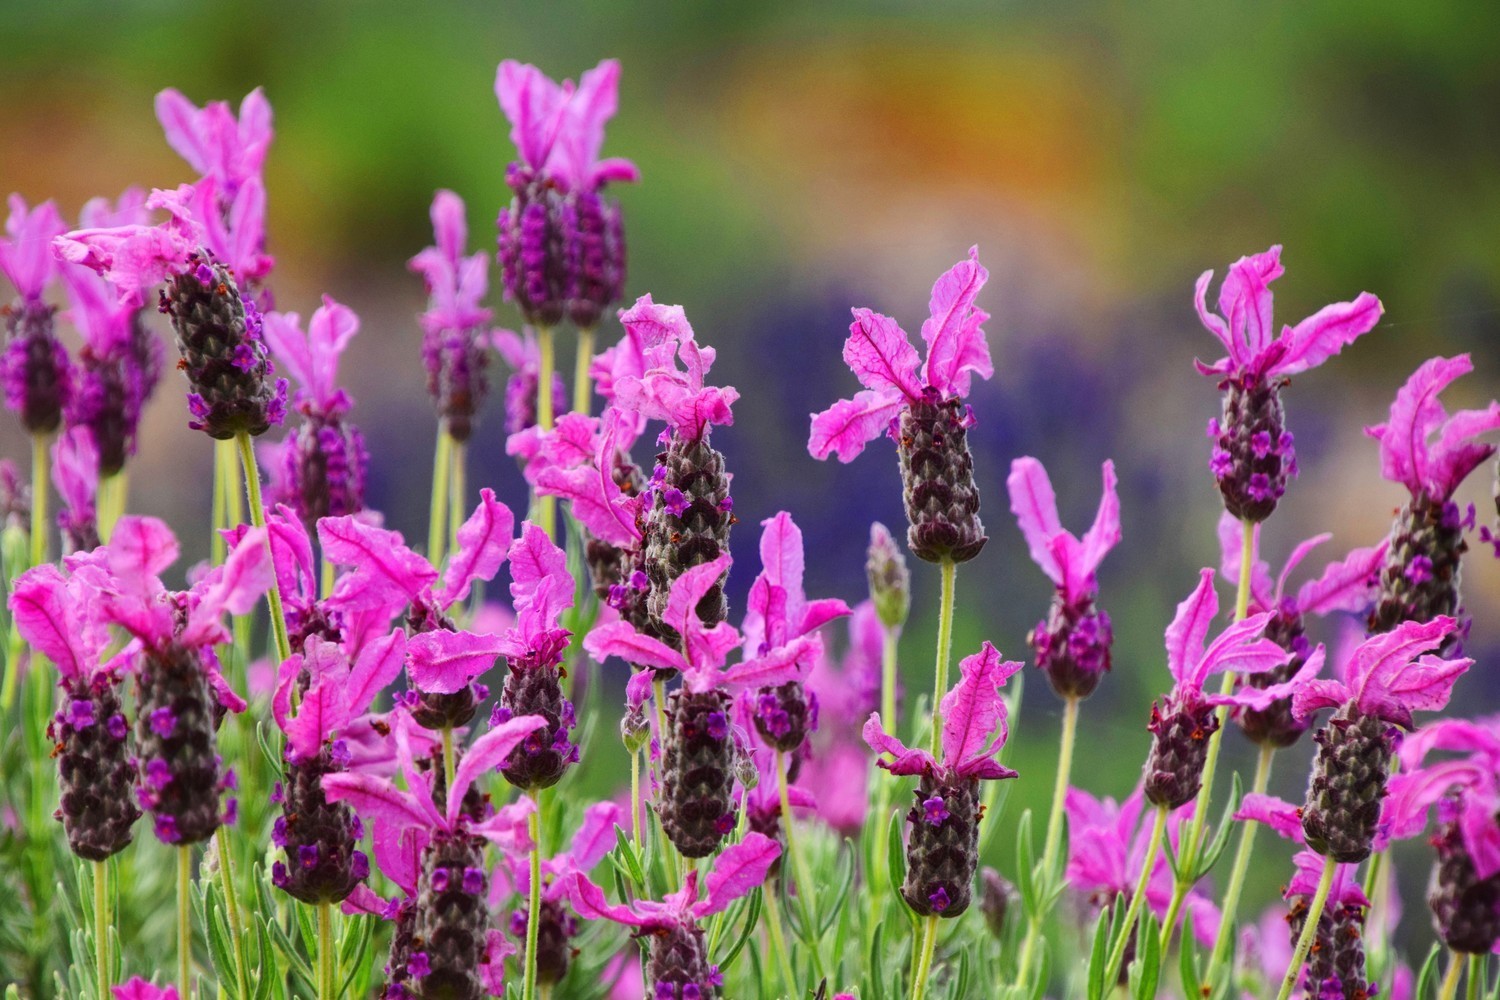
[678, 966]
[942, 850]
[1430, 453]
[889, 579]
[1182, 724]
[450, 944]
[34, 367]
[57, 613]
[1465, 889]
[562, 244]
[318, 837]
[324, 457]
[1072, 642]
[454, 323]
[224, 355]
[541, 590]
[1107, 845]
[1348, 586]
[921, 407]
[691, 510]
[121, 360]
[594, 839]
[180, 694]
[442, 662]
[1253, 453]
[1385, 680]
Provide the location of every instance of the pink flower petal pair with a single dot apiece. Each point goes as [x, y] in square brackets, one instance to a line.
[25, 249]
[312, 358]
[1424, 448]
[1068, 561]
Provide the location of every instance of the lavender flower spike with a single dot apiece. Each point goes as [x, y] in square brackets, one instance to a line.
[453, 325]
[34, 367]
[924, 413]
[943, 850]
[1072, 643]
[1430, 453]
[1253, 452]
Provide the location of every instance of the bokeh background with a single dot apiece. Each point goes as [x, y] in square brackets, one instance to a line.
[798, 159]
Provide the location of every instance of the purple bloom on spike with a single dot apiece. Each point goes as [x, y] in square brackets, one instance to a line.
[1253, 456]
[419, 967]
[117, 727]
[938, 900]
[34, 366]
[522, 354]
[454, 323]
[935, 810]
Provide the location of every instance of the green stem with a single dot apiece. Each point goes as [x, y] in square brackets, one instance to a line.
[448, 762]
[1476, 976]
[1054, 833]
[1449, 989]
[232, 911]
[101, 928]
[437, 528]
[659, 696]
[224, 463]
[888, 642]
[583, 390]
[533, 919]
[112, 492]
[258, 518]
[635, 799]
[944, 649]
[799, 862]
[924, 962]
[184, 927]
[778, 937]
[1309, 930]
[41, 486]
[546, 505]
[325, 952]
[1137, 898]
[1237, 874]
[456, 508]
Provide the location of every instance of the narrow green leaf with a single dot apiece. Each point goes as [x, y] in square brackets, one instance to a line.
[876, 962]
[1221, 833]
[632, 862]
[1145, 973]
[751, 919]
[1187, 965]
[895, 850]
[841, 885]
[1026, 874]
[1099, 953]
[1428, 976]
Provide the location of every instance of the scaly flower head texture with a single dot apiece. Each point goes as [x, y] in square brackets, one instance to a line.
[881, 356]
[558, 128]
[1421, 446]
[1243, 324]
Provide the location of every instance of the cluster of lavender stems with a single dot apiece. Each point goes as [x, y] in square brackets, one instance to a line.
[719, 844]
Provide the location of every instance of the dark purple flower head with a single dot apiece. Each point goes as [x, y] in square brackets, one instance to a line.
[1421, 446]
[34, 367]
[881, 356]
[453, 325]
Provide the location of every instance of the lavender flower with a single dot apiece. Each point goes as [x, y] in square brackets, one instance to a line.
[75, 473]
[1253, 451]
[1072, 642]
[34, 367]
[453, 325]
[523, 356]
[924, 414]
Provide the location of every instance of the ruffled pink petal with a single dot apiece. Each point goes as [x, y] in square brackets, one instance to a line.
[1344, 586]
[782, 664]
[1231, 540]
[1189, 628]
[443, 662]
[139, 989]
[48, 618]
[956, 348]
[974, 708]
[881, 356]
[1262, 698]
[75, 468]
[1319, 694]
[1034, 503]
[289, 345]
[596, 834]
[907, 761]
[179, 120]
[534, 105]
[848, 425]
[141, 547]
[736, 872]
[1325, 333]
[375, 669]
[384, 570]
[235, 587]
[592, 904]
[681, 612]
[1245, 299]
[619, 639]
[483, 542]
[26, 252]
[1453, 456]
[1415, 414]
[534, 557]
[1104, 534]
[322, 712]
[1283, 817]
[1214, 325]
[510, 830]
[487, 753]
[377, 799]
[1384, 671]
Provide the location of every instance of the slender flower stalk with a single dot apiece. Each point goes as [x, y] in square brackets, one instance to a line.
[583, 391]
[1241, 866]
[944, 649]
[184, 926]
[232, 910]
[1116, 961]
[41, 476]
[534, 904]
[258, 519]
[437, 517]
[101, 927]
[325, 953]
[924, 960]
[805, 882]
[546, 503]
[1309, 929]
[1449, 989]
[774, 931]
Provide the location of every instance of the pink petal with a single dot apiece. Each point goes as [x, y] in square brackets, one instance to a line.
[376, 668]
[487, 753]
[322, 712]
[1189, 628]
[384, 571]
[956, 347]
[443, 662]
[376, 799]
[398, 850]
[1319, 694]
[1283, 817]
[848, 425]
[1326, 332]
[881, 356]
[619, 639]
[1104, 534]
[596, 834]
[1245, 299]
[974, 709]
[139, 989]
[75, 468]
[1416, 414]
[782, 664]
[1231, 539]
[48, 618]
[235, 587]
[289, 345]
[1344, 586]
[26, 255]
[1261, 699]
[509, 830]
[1034, 504]
[591, 903]
[450, 227]
[681, 612]
[638, 688]
[906, 761]
[483, 542]
[141, 547]
[534, 557]
[736, 872]
[1215, 326]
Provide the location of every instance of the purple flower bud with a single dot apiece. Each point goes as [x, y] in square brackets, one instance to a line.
[158, 774]
[307, 856]
[340, 754]
[440, 880]
[473, 881]
[938, 899]
[278, 831]
[419, 967]
[231, 811]
[117, 726]
[359, 865]
[166, 829]
[675, 501]
[163, 722]
[935, 810]
[80, 713]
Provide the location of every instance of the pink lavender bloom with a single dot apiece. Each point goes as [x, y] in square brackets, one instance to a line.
[521, 353]
[386, 576]
[1346, 586]
[453, 325]
[920, 407]
[562, 244]
[1072, 642]
[139, 989]
[677, 964]
[180, 693]
[942, 851]
[1385, 680]
[673, 386]
[324, 457]
[1107, 845]
[594, 839]
[1182, 725]
[57, 613]
[1253, 451]
[34, 367]
[1430, 453]
[761, 791]
[75, 473]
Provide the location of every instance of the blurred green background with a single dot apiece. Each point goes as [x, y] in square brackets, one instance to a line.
[798, 159]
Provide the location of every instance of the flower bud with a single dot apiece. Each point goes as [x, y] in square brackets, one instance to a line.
[890, 580]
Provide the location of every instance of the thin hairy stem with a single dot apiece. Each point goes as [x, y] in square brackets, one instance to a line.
[888, 640]
[778, 937]
[225, 463]
[546, 505]
[1241, 868]
[583, 389]
[1476, 976]
[448, 762]
[924, 961]
[258, 518]
[1054, 833]
[1309, 930]
[41, 486]
[325, 952]
[232, 911]
[456, 497]
[944, 650]
[533, 918]
[184, 927]
[1137, 898]
[1449, 989]
[101, 928]
[799, 862]
[635, 799]
[437, 513]
[111, 503]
